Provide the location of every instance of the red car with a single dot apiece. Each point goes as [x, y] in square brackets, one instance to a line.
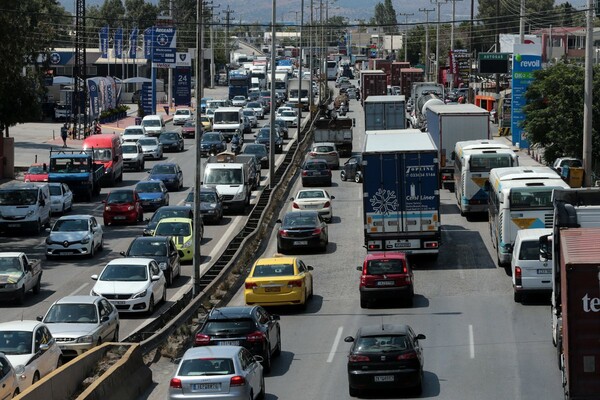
[122, 206]
[37, 173]
[189, 129]
[386, 275]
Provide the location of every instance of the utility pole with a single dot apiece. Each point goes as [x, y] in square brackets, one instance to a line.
[170, 76]
[228, 19]
[299, 28]
[405, 44]
[587, 100]
[498, 41]
[427, 11]
[272, 108]
[437, 38]
[211, 7]
[197, 137]
[522, 22]
[452, 26]
[310, 60]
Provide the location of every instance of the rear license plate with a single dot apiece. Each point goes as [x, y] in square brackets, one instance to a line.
[545, 271]
[272, 289]
[384, 378]
[385, 283]
[312, 207]
[300, 243]
[120, 217]
[206, 386]
[13, 225]
[229, 343]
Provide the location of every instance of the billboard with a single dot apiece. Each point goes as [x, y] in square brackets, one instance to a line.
[527, 58]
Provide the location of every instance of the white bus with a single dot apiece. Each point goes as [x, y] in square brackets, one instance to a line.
[332, 70]
[473, 160]
[519, 198]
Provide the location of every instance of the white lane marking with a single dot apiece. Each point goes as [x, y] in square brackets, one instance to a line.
[73, 293]
[336, 342]
[471, 342]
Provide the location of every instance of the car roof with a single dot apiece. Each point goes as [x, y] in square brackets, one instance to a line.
[131, 261]
[231, 312]
[173, 208]
[275, 260]
[134, 127]
[385, 329]
[175, 219]
[157, 238]
[324, 144]
[301, 213]
[76, 216]
[21, 325]
[211, 352]
[121, 191]
[165, 163]
[78, 300]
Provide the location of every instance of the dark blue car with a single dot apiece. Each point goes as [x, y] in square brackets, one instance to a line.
[153, 194]
[263, 138]
[169, 173]
[212, 140]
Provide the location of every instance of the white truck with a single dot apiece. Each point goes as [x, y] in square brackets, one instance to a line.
[18, 275]
[229, 121]
[298, 90]
[232, 181]
[451, 123]
[281, 82]
[338, 131]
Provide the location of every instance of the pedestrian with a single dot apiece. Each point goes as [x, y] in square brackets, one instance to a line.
[64, 132]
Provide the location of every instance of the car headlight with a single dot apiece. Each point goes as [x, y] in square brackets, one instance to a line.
[85, 339]
[162, 265]
[148, 232]
[29, 213]
[107, 208]
[10, 286]
[85, 240]
[108, 170]
[140, 294]
[211, 211]
[130, 208]
[92, 293]
[187, 244]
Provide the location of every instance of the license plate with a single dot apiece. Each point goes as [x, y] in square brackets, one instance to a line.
[384, 378]
[272, 289]
[312, 207]
[13, 225]
[300, 243]
[206, 386]
[385, 283]
[545, 271]
[120, 217]
[119, 303]
[229, 343]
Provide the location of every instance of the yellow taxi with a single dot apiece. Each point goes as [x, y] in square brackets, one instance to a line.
[206, 123]
[182, 231]
[279, 281]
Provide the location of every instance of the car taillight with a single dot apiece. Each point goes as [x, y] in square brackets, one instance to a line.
[431, 245]
[327, 204]
[312, 154]
[250, 285]
[175, 383]
[237, 381]
[201, 339]
[295, 205]
[518, 275]
[295, 283]
[304, 173]
[358, 358]
[407, 356]
[256, 336]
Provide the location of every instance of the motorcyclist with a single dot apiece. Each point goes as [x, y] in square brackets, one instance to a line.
[236, 143]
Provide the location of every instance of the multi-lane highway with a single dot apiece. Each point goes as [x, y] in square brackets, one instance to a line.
[480, 343]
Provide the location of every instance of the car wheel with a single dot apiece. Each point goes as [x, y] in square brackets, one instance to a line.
[70, 208]
[267, 359]
[364, 303]
[352, 391]
[38, 285]
[36, 377]
[419, 388]
[64, 209]
[16, 393]
[343, 175]
[357, 178]
[150, 310]
[116, 334]
[140, 216]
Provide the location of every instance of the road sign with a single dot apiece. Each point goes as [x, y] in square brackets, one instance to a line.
[494, 56]
[163, 46]
[147, 98]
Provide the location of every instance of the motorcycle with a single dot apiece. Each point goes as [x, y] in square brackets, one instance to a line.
[213, 150]
[236, 144]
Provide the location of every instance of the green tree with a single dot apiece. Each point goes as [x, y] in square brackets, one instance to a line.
[29, 28]
[385, 16]
[554, 111]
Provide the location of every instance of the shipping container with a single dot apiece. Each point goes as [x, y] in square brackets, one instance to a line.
[397, 66]
[385, 112]
[372, 83]
[408, 76]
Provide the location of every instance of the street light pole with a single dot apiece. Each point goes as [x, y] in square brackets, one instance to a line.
[197, 179]
[272, 109]
[299, 28]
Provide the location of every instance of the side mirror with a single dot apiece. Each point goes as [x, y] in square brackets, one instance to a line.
[122, 253]
[278, 221]
[332, 197]
[48, 229]
[104, 318]
[44, 347]
[420, 336]
[359, 268]
[309, 267]
[39, 317]
[291, 199]
[275, 317]
[94, 277]
[258, 359]
[348, 339]
[155, 278]
[545, 248]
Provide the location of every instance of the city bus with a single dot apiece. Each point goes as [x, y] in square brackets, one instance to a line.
[473, 160]
[332, 70]
[519, 198]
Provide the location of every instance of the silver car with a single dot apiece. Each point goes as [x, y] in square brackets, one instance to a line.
[251, 114]
[325, 151]
[74, 235]
[215, 372]
[78, 323]
[152, 147]
[9, 386]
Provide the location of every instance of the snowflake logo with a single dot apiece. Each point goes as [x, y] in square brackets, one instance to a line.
[384, 201]
[162, 39]
[54, 58]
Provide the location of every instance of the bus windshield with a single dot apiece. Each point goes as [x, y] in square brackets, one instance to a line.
[525, 198]
[486, 162]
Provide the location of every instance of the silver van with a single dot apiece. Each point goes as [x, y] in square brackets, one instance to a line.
[25, 207]
[529, 274]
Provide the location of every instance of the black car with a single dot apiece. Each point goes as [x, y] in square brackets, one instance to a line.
[251, 327]
[302, 229]
[160, 248]
[262, 137]
[212, 142]
[259, 151]
[211, 204]
[283, 127]
[316, 171]
[167, 212]
[385, 356]
[171, 141]
[352, 170]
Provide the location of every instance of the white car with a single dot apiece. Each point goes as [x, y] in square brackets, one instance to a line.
[181, 116]
[258, 109]
[75, 235]
[9, 383]
[131, 284]
[289, 116]
[281, 109]
[251, 114]
[151, 147]
[78, 323]
[210, 114]
[314, 200]
[133, 133]
[31, 349]
[61, 197]
[238, 101]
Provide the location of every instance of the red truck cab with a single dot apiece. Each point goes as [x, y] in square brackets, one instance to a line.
[386, 275]
[107, 151]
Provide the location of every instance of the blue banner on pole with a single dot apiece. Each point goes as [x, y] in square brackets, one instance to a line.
[148, 33]
[182, 87]
[133, 43]
[118, 44]
[104, 42]
[94, 99]
[526, 60]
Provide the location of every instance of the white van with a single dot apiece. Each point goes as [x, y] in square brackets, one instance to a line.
[25, 207]
[229, 121]
[232, 181]
[529, 274]
[153, 125]
[133, 133]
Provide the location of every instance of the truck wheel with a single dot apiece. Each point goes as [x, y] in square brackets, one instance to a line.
[517, 296]
[21, 296]
[38, 286]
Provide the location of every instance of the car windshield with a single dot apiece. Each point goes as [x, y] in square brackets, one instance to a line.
[208, 197]
[224, 176]
[168, 135]
[37, 169]
[202, 119]
[119, 198]
[161, 213]
[55, 190]
[249, 113]
[148, 187]
[147, 248]
[263, 133]
[227, 117]
[70, 225]
[293, 219]
[382, 267]
[132, 132]
[192, 124]
[239, 98]
[311, 194]
[23, 197]
[15, 342]
[323, 149]
[211, 137]
[530, 250]
[253, 105]
[266, 270]
[102, 154]
[231, 326]
[378, 344]
[182, 112]
[206, 366]
[72, 313]
[314, 166]
[163, 169]
[173, 229]
[129, 149]
[10, 266]
[151, 122]
[118, 272]
[288, 114]
[258, 150]
[148, 142]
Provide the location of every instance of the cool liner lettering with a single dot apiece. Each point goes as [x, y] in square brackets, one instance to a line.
[592, 304]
